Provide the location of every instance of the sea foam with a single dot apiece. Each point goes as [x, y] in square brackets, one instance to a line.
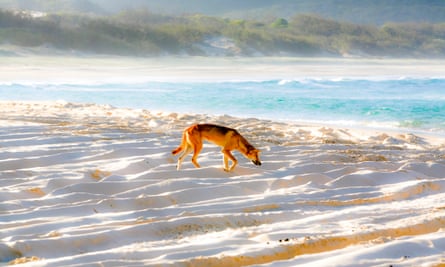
[409, 103]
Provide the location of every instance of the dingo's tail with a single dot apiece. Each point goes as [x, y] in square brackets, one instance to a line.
[181, 146]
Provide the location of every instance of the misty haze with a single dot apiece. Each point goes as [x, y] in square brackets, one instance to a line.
[225, 28]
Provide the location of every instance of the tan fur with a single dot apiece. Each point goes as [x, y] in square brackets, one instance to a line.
[227, 138]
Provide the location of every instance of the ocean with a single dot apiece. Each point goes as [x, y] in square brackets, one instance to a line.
[412, 104]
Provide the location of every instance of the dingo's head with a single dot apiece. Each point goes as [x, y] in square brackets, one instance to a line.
[254, 156]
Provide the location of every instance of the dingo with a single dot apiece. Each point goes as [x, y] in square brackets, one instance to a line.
[229, 139]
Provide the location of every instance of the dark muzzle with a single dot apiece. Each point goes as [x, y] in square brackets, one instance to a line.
[256, 162]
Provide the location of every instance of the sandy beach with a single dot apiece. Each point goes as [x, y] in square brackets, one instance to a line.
[94, 185]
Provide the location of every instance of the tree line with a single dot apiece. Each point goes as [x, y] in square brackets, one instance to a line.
[142, 33]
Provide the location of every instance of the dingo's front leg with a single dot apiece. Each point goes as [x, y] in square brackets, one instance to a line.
[225, 163]
[228, 155]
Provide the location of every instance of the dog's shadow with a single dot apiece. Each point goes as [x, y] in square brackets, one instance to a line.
[244, 171]
[211, 172]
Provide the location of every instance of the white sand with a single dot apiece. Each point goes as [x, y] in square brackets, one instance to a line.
[89, 185]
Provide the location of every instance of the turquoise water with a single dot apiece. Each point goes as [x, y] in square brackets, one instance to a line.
[414, 104]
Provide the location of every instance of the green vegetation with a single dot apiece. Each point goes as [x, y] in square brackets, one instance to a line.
[375, 12]
[280, 23]
[143, 33]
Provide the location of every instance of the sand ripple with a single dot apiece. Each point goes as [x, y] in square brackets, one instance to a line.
[86, 184]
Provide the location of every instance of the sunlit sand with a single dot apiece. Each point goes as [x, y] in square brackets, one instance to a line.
[87, 184]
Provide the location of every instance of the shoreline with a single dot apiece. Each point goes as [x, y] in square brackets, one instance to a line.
[71, 72]
[433, 138]
[285, 133]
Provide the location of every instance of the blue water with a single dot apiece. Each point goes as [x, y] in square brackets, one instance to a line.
[413, 104]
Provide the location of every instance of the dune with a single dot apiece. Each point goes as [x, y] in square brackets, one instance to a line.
[95, 185]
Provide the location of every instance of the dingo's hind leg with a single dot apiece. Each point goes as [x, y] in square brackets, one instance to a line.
[187, 151]
[197, 149]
